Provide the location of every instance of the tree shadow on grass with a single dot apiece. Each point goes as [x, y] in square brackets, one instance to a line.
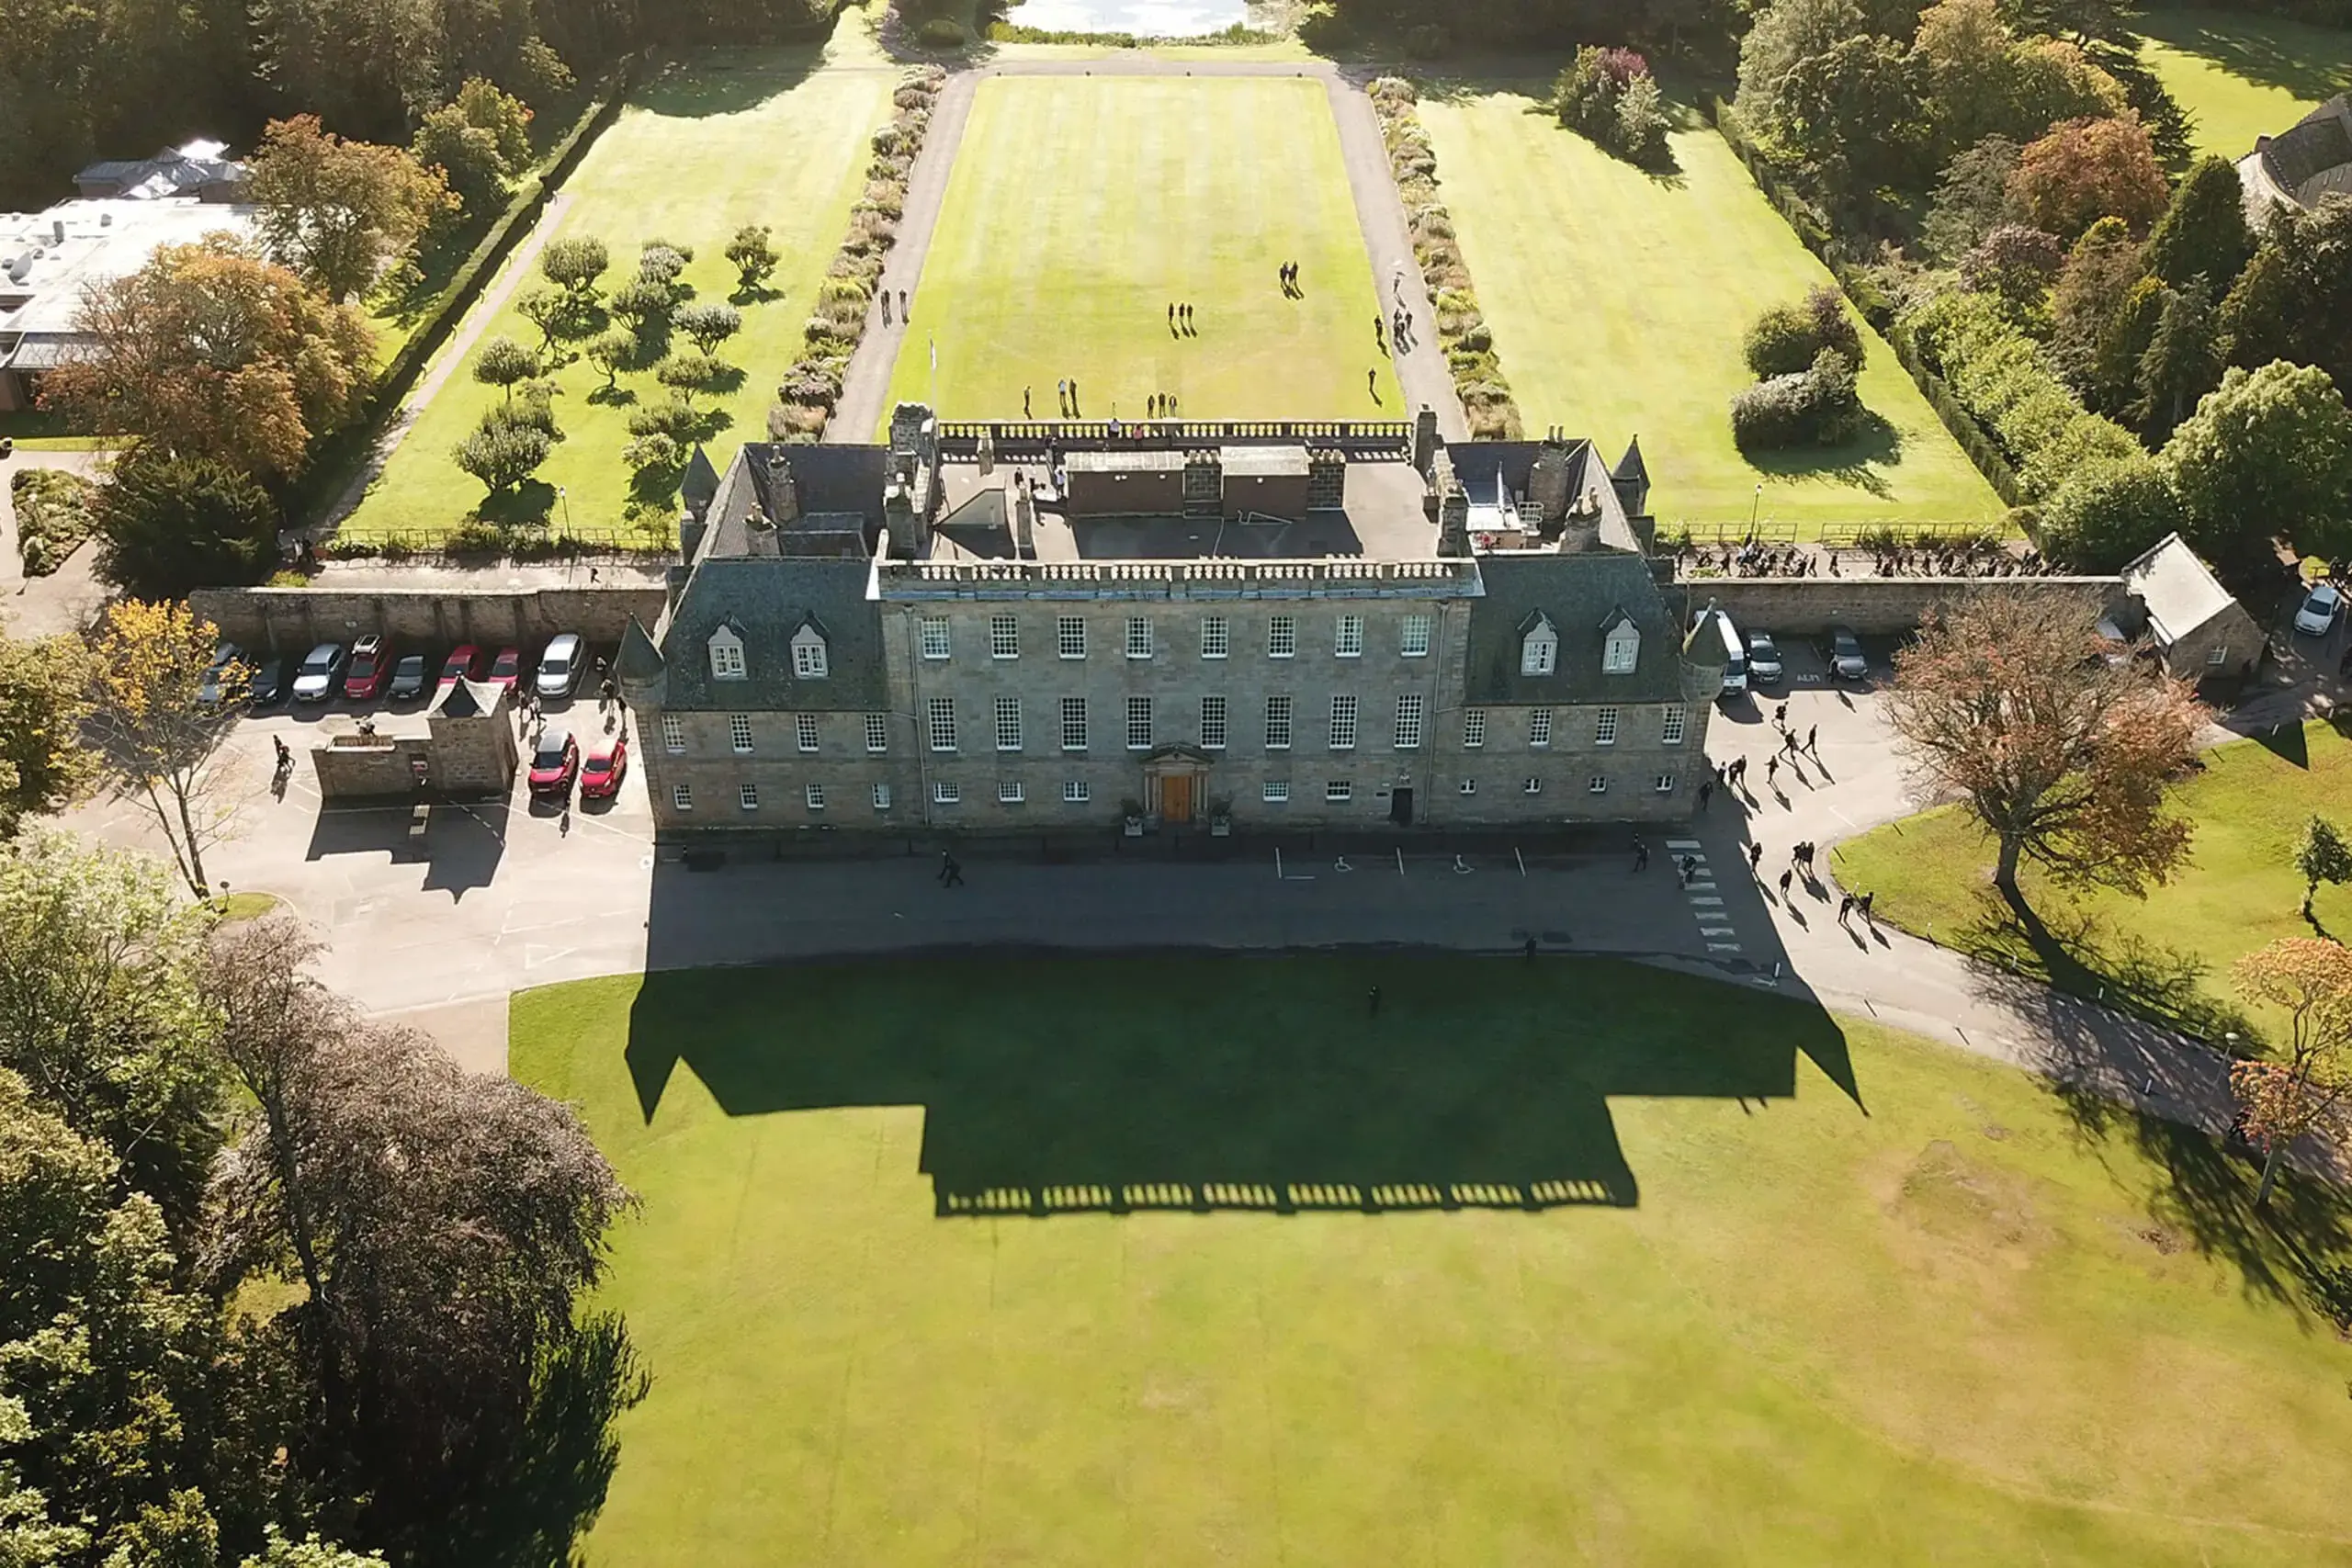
[2071, 950]
[748, 295]
[1857, 462]
[543, 1488]
[530, 502]
[727, 80]
[615, 396]
[2268, 51]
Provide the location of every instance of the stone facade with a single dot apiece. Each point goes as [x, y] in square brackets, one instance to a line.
[467, 751]
[791, 689]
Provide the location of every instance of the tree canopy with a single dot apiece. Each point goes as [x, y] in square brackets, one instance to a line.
[338, 213]
[2268, 455]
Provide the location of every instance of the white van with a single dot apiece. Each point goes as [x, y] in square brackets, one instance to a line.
[1712, 629]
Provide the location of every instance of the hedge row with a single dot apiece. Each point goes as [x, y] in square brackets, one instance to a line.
[332, 465]
[812, 384]
[1999, 376]
[1462, 329]
[1981, 448]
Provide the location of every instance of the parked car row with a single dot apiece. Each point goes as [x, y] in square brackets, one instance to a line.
[1753, 659]
[372, 669]
[558, 762]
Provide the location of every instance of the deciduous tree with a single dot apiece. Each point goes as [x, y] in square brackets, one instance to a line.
[503, 455]
[446, 1227]
[44, 693]
[2268, 455]
[2308, 1090]
[690, 373]
[340, 212]
[1971, 198]
[2089, 169]
[479, 142]
[612, 352]
[643, 302]
[98, 1011]
[2320, 855]
[2008, 705]
[2016, 262]
[709, 322]
[169, 525]
[160, 739]
[209, 351]
[2104, 513]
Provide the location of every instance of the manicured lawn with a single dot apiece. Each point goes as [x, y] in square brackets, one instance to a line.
[2243, 76]
[745, 135]
[1080, 208]
[1619, 299]
[2167, 956]
[889, 1321]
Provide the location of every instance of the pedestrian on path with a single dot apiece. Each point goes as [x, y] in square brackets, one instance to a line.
[1780, 717]
[1737, 774]
[1373, 998]
[1789, 742]
[285, 756]
[1073, 397]
[1755, 859]
[1641, 852]
[1372, 382]
[886, 307]
[1813, 740]
[951, 871]
[904, 314]
[1786, 877]
[1688, 867]
[1845, 907]
[1171, 317]
[1772, 769]
[1706, 791]
[1187, 316]
[1863, 904]
[1379, 339]
[1024, 404]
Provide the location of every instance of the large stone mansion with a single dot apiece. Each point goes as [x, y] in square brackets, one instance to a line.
[1057, 626]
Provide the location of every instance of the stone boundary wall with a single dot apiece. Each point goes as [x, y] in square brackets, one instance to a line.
[291, 620]
[1874, 606]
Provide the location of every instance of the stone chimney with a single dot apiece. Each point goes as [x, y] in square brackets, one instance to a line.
[761, 537]
[1424, 439]
[1024, 517]
[1549, 483]
[1453, 508]
[783, 491]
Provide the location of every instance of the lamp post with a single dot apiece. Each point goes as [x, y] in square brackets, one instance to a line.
[1753, 508]
[564, 495]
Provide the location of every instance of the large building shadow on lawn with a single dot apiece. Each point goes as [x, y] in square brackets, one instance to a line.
[2310, 62]
[1204, 1082]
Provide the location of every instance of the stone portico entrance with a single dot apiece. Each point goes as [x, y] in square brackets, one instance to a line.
[1175, 785]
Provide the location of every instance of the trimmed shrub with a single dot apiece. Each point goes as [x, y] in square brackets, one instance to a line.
[53, 516]
[1786, 339]
[1814, 407]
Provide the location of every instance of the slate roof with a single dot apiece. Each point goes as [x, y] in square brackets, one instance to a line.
[766, 599]
[1581, 595]
[2314, 144]
[2179, 593]
[639, 661]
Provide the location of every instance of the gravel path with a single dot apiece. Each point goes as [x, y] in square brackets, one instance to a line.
[866, 388]
[511, 276]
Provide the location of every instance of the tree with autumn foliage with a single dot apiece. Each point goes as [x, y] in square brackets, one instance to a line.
[2310, 1090]
[211, 351]
[158, 734]
[341, 212]
[2014, 706]
[2088, 169]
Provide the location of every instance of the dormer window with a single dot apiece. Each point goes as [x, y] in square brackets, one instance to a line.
[808, 654]
[1539, 650]
[727, 655]
[1620, 648]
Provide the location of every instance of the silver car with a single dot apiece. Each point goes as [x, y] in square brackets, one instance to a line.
[1763, 658]
[1846, 660]
[321, 673]
[559, 672]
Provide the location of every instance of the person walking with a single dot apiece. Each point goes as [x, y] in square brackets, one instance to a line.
[905, 315]
[1813, 740]
[1372, 382]
[1755, 859]
[1789, 742]
[285, 756]
[1024, 404]
[1187, 316]
[1171, 317]
[1786, 877]
[1686, 868]
[1863, 904]
[1641, 854]
[951, 871]
[1372, 996]
[1706, 791]
[1845, 907]
[1379, 335]
[1772, 769]
[886, 307]
[1780, 717]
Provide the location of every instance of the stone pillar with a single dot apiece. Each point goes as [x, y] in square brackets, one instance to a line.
[1424, 438]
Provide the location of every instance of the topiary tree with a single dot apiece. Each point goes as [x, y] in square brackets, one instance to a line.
[550, 311]
[1819, 406]
[661, 262]
[612, 353]
[689, 373]
[2322, 855]
[709, 323]
[1781, 342]
[503, 455]
[643, 302]
[503, 362]
[753, 253]
[575, 265]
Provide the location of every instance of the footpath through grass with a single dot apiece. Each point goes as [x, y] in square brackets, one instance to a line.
[2167, 956]
[1619, 299]
[1943, 1330]
[773, 136]
[2243, 76]
[1081, 207]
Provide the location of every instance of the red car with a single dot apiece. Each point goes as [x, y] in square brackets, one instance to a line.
[607, 765]
[507, 668]
[458, 666]
[371, 661]
[555, 765]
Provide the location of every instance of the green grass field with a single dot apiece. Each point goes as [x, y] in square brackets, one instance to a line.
[2243, 76]
[1080, 208]
[1619, 299]
[1922, 1318]
[734, 137]
[2167, 956]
